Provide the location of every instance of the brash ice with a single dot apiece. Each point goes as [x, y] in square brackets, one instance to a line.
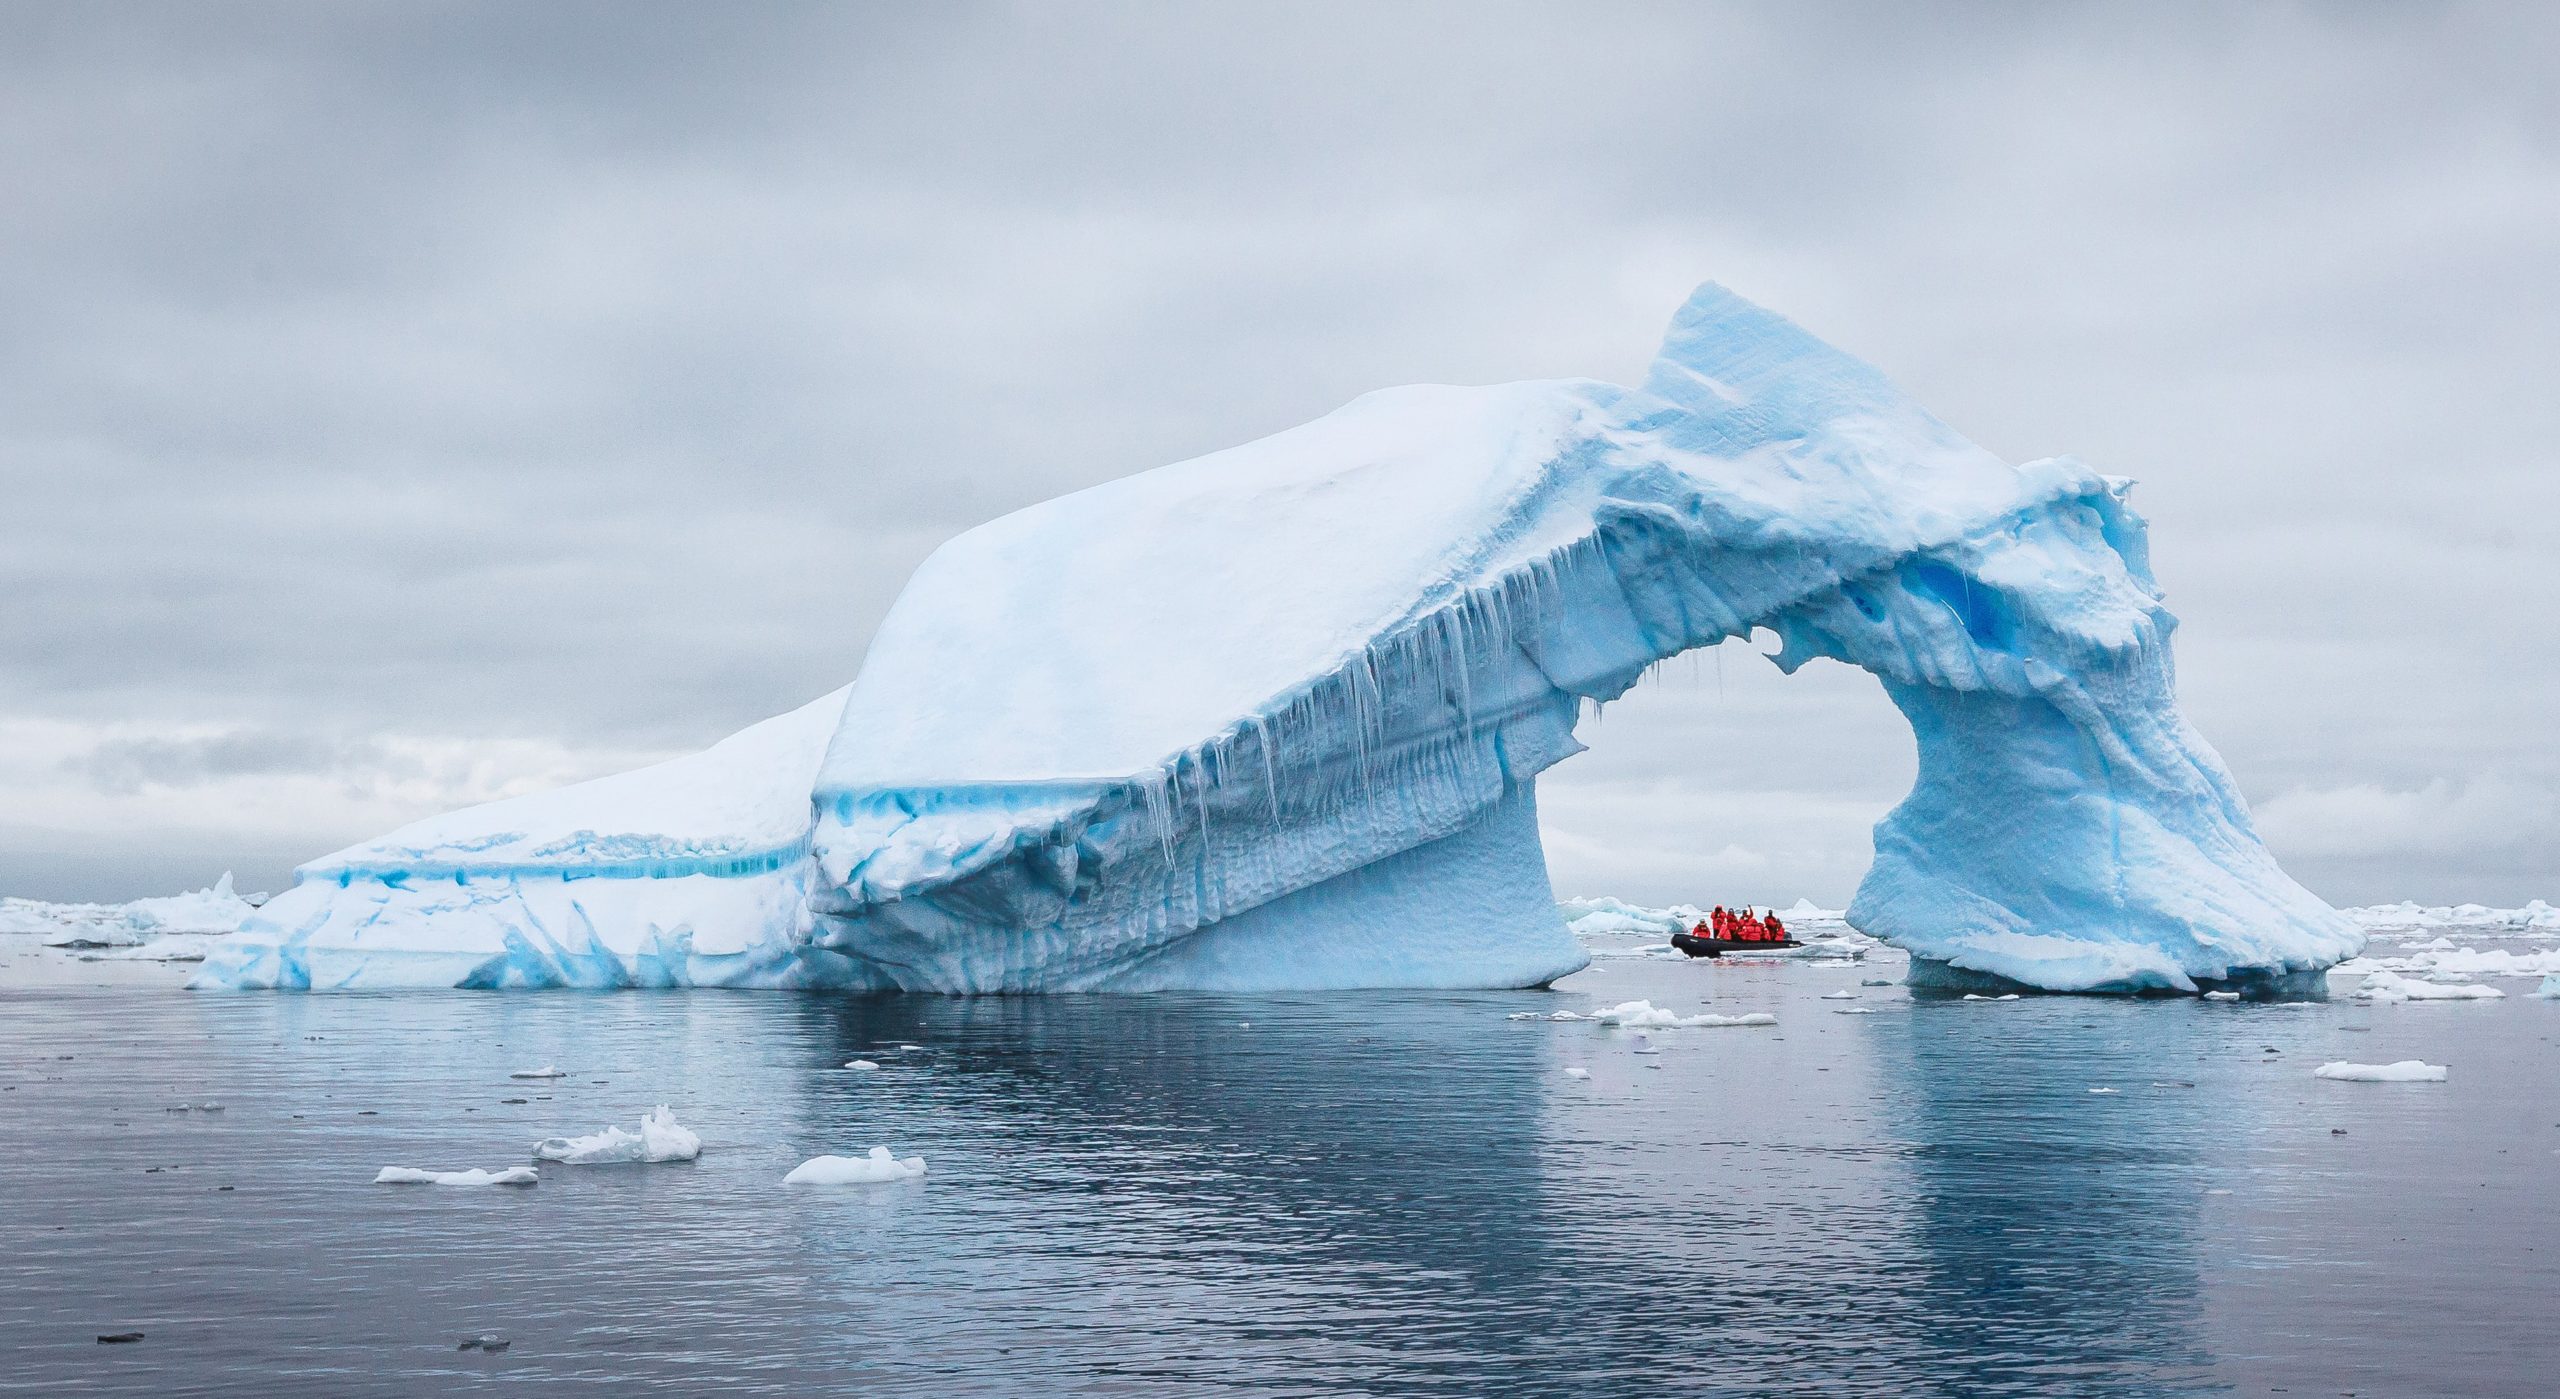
[1273, 718]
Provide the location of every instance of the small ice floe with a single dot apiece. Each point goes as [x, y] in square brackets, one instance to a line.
[1841, 996]
[1645, 1015]
[2391, 988]
[659, 1138]
[2406, 1071]
[861, 1065]
[493, 1344]
[874, 1169]
[2222, 995]
[1978, 996]
[2549, 990]
[197, 1107]
[1577, 1073]
[546, 1071]
[402, 1175]
[1853, 1010]
[2106, 1090]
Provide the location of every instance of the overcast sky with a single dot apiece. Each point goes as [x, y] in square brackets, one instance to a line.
[406, 405]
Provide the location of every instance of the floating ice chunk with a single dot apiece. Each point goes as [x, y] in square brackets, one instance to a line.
[2222, 995]
[1854, 1010]
[546, 1071]
[2405, 1071]
[862, 1064]
[2393, 988]
[879, 1166]
[1645, 1015]
[2106, 1090]
[1841, 996]
[1577, 1073]
[2549, 990]
[659, 1138]
[1978, 996]
[403, 1175]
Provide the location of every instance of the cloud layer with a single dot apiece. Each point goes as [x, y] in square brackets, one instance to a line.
[409, 404]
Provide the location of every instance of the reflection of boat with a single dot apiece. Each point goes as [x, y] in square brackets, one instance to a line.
[1697, 946]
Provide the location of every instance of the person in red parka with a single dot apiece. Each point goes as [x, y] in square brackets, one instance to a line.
[1777, 930]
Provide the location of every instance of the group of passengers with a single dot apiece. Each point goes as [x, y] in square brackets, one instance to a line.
[1741, 927]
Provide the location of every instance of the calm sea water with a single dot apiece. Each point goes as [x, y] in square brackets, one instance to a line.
[1371, 1194]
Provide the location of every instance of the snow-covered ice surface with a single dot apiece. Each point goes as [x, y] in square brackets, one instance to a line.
[873, 1169]
[659, 1137]
[405, 1175]
[1273, 718]
[71, 944]
[2403, 1071]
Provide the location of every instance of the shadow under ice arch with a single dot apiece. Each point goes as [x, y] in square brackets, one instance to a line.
[1273, 719]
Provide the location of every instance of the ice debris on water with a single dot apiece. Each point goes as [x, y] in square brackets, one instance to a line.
[2549, 990]
[2391, 988]
[2405, 1071]
[1577, 1073]
[403, 1175]
[864, 1065]
[1646, 1015]
[1853, 1010]
[2222, 995]
[493, 1344]
[1978, 996]
[546, 1071]
[1841, 996]
[873, 1169]
[659, 1137]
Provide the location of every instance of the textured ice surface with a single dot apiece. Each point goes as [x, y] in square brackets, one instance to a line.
[659, 1137]
[877, 1167]
[1273, 718]
[404, 1175]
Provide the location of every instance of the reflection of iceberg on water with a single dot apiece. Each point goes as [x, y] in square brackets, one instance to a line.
[1273, 719]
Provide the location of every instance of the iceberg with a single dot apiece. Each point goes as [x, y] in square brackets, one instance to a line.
[1273, 719]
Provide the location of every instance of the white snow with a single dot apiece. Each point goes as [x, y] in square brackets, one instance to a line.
[877, 1167]
[2405, 1071]
[403, 1175]
[659, 1137]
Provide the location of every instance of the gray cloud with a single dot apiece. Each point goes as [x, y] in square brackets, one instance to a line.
[592, 375]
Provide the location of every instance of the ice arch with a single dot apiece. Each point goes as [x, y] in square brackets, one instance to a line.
[1274, 717]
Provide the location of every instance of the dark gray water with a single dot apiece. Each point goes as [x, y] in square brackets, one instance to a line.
[1389, 1194]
